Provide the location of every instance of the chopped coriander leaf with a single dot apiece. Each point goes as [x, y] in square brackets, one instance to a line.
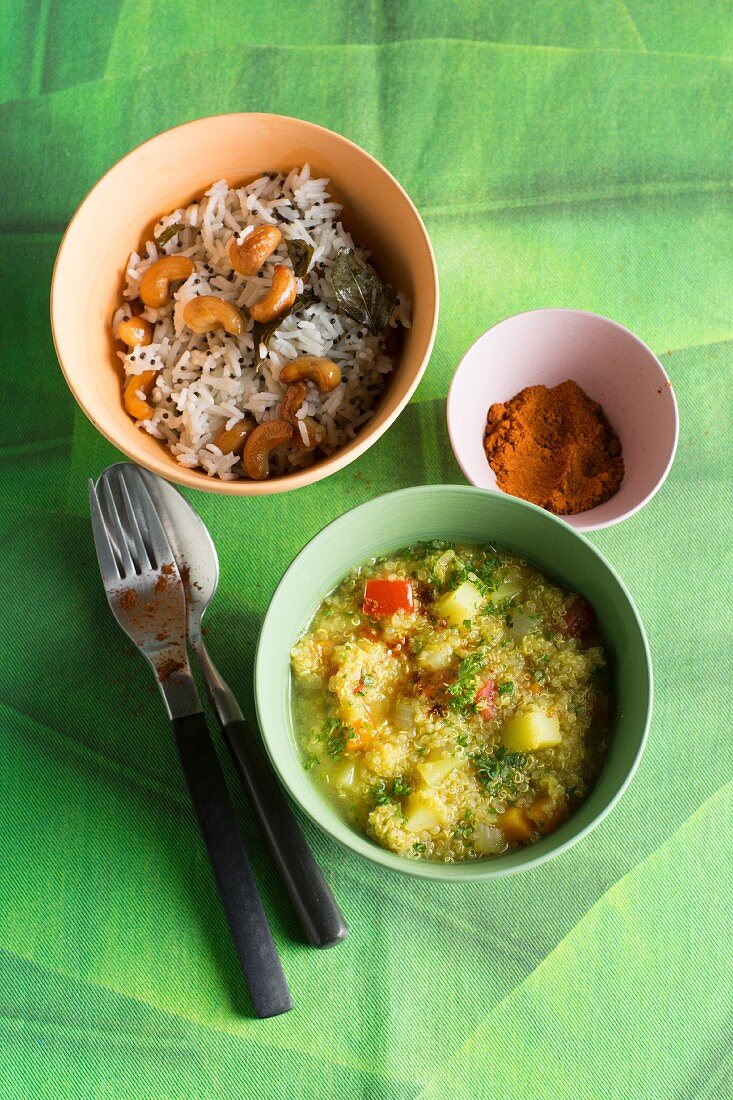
[462, 740]
[467, 623]
[378, 794]
[310, 761]
[506, 688]
[463, 691]
[463, 829]
[498, 769]
[335, 734]
[418, 846]
[539, 675]
[400, 787]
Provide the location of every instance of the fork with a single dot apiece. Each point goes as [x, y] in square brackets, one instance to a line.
[146, 595]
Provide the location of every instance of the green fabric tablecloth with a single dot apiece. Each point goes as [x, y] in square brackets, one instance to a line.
[574, 153]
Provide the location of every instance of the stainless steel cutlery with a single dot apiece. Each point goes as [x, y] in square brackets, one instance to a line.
[147, 597]
[160, 572]
[195, 554]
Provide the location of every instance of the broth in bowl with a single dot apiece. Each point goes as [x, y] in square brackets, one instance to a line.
[452, 701]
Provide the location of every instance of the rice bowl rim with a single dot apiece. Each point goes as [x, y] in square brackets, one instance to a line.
[162, 462]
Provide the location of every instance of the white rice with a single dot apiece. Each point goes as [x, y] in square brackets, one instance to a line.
[209, 381]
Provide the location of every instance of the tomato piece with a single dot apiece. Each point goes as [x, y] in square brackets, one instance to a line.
[580, 619]
[485, 700]
[384, 597]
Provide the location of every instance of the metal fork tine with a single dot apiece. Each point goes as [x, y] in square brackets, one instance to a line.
[158, 546]
[132, 528]
[107, 562]
[115, 532]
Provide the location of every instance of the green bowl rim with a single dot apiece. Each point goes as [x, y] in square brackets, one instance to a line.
[361, 845]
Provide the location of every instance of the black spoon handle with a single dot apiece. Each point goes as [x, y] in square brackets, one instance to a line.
[316, 908]
[234, 876]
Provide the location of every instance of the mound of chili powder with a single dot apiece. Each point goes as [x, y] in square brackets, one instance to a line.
[554, 447]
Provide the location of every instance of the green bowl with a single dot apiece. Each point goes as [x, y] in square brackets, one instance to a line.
[460, 513]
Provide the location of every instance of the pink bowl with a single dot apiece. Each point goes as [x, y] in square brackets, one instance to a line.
[546, 347]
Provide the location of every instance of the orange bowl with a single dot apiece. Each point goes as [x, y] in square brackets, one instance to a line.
[173, 169]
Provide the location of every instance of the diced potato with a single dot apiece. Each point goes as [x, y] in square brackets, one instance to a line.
[437, 655]
[545, 814]
[515, 825]
[512, 585]
[531, 731]
[344, 774]
[432, 772]
[461, 604]
[522, 625]
[405, 713]
[489, 840]
[424, 810]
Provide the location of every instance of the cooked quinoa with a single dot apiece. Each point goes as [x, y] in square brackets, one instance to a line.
[452, 701]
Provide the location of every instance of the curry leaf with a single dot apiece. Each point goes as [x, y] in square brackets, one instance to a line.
[262, 332]
[169, 233]
[361, 293]
[300, 255]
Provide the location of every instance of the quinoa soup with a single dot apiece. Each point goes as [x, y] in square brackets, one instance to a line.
[452, 701]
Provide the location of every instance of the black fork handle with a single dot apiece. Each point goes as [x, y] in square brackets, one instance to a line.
[233, 871]
[314, 904]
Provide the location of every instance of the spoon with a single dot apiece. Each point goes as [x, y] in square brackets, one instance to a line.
[195, 554]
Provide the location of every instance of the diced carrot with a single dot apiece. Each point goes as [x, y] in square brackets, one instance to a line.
[545, 814]
[384, 597]
[362, 739]
[485, 700]
[515, 825]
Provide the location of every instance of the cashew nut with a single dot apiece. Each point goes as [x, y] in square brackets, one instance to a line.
[207, 312]
[233, 440]
[135, 406]
[294, 397]
[264, 438]
[248, 256]
[135, 332]
[279, 297]
[155, 288]
[291, 402]
[315, 434]
[323, 372]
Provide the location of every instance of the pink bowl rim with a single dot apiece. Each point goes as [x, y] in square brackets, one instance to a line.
[196, 479]
[580, 524]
